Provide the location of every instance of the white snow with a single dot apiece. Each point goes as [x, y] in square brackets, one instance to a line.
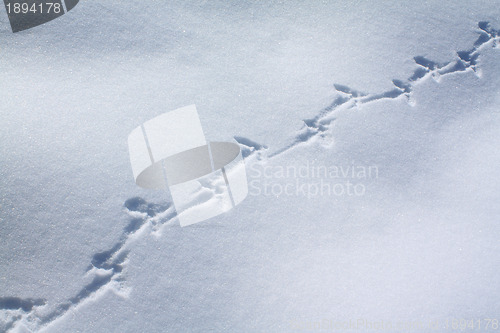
[83, 249]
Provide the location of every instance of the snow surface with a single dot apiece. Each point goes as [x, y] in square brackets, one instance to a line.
[411, 88]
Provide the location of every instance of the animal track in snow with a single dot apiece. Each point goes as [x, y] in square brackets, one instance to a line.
[319, 127]
[13, 308]
[107, 268]
[106, 271]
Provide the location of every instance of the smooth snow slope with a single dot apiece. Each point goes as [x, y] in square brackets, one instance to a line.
[376, 85]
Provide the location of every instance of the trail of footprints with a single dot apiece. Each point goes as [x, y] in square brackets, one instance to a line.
[318, 128]
[107, 269]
